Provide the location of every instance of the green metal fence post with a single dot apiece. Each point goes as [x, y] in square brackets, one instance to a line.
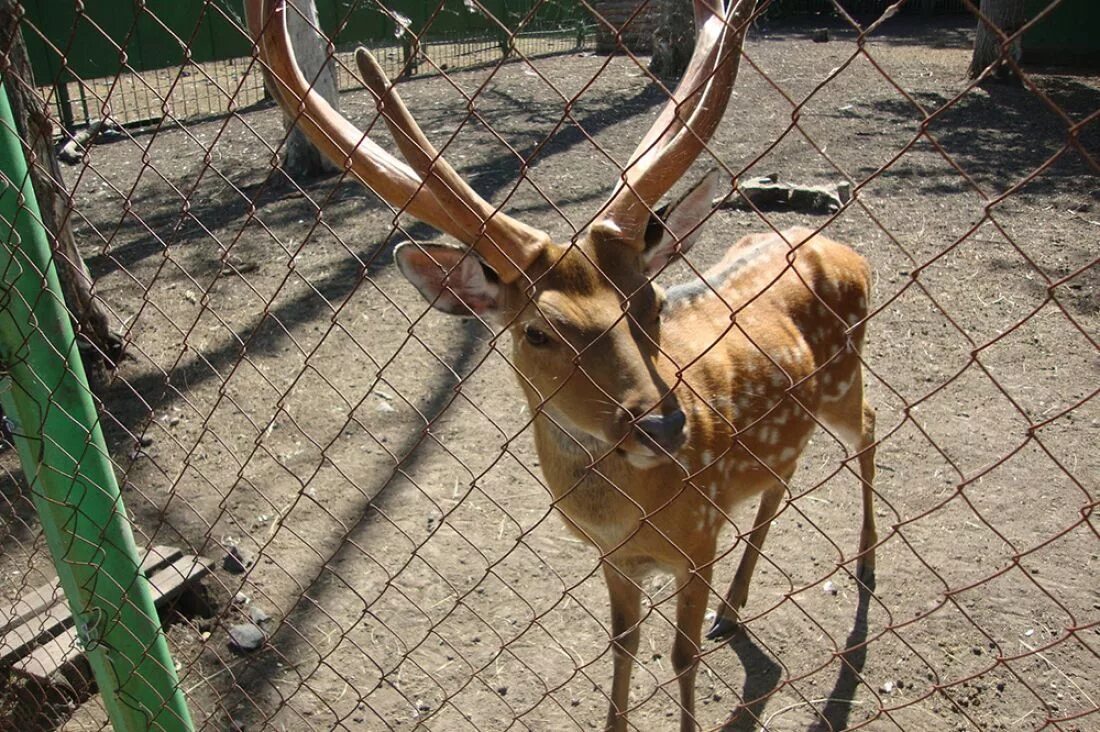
[46, 397]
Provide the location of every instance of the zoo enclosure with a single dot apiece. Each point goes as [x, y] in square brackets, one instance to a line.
[187, 60]
[169, 58]
[291, 404]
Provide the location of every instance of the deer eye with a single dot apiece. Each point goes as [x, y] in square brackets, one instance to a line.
[535, 336]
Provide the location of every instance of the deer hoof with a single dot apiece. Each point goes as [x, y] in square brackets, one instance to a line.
[865, 573]
[723, 629]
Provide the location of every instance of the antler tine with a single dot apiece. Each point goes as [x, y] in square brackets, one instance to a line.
[471, 210]
[686, 123]
[339, 140]
[506, 245]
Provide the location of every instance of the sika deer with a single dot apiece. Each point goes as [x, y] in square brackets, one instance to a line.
[655, 412]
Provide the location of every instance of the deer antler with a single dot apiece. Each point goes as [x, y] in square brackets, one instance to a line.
[686, 123]
[431, 190]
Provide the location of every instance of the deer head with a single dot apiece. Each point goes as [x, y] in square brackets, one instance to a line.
[585, 315]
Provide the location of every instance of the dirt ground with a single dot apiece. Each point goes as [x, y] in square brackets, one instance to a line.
[297, 400]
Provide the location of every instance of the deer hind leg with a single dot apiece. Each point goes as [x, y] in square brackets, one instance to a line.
[738, 593]
[852, 419]
[691, 608]
[626, 615]
[868, 536]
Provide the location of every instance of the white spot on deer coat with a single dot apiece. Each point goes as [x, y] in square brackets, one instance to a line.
[788, 453]
[843, 385]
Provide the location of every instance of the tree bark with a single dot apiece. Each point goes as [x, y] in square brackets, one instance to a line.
[673, 38]
[302, 160]
[1008, 15]
[35, 129]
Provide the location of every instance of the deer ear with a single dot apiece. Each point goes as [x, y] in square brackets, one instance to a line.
[674, 228]
[452, 279]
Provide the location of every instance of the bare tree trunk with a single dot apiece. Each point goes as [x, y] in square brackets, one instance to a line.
[673, 38]
[302, 159]
[36, 131]
[1008, 15]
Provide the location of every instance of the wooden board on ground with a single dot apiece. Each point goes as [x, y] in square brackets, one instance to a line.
[38, 638]
[42, 598]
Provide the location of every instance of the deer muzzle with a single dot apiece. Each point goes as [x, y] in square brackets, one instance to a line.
[664, 433]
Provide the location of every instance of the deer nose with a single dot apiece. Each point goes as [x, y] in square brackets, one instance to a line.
[665, 430]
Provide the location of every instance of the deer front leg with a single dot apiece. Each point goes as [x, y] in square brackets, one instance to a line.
[626, 614]
[738, 593]
[691, 608]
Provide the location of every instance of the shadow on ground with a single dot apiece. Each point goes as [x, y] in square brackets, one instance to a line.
[763, 677]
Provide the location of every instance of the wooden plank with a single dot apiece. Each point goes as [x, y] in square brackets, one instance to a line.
[40, 598]
[166, 583]
[47, 658]
[29, 605]
[160, 556]
[43, 611]
[170, 581]
[20, 638]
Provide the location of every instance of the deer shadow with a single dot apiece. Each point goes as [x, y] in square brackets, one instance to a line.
[762, 676]
[834, 716]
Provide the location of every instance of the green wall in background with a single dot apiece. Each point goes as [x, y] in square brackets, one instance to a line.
[1070, 34]
[108, 36]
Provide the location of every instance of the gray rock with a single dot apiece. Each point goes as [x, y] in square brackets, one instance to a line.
[258, 614]
[246, 637]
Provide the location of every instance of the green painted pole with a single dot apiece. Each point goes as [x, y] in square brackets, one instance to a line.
[57, 431]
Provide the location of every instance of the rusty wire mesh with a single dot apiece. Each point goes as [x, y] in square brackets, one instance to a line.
[290, 400]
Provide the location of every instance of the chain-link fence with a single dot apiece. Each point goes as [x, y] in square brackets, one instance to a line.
[378, 488]
[135, 64]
